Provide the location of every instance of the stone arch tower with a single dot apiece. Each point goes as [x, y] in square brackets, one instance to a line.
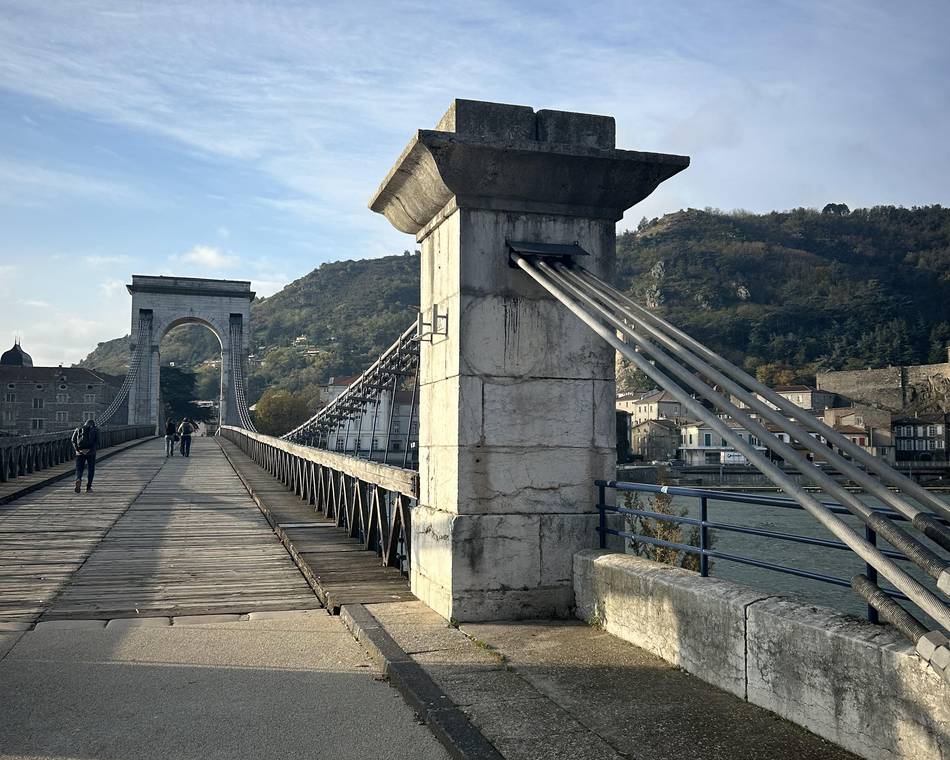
[160, 304]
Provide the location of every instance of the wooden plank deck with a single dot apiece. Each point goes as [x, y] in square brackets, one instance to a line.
[16, 488]
[337, 567]
[46, 535]
[193, 542]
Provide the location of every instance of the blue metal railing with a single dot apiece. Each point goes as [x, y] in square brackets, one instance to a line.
[704, 525]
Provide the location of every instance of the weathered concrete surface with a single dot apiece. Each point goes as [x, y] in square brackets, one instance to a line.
[851, 682]
[517, 399]
[556, 690]
[289, 687]
[695, 623]
[862, 686]
[175, 301]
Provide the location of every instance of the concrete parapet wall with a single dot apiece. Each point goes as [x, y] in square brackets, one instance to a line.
[856, 684]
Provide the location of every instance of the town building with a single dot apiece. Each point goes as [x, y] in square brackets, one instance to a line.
[701, 445]
[43, 399]
[804, 396]
[361, 436]
[655, 405]
[864, 426]
[655, 440]
[925, 438]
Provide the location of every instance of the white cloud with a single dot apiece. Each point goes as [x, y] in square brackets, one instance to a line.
[207, 257]
[33, 303]
[24, 184]
[106, 261]
[111, 288]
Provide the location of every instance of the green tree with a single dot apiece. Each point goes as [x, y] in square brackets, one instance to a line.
[279, 411]
[663, 530]
[178, 395]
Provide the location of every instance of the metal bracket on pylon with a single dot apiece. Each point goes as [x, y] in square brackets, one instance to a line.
[438, 324]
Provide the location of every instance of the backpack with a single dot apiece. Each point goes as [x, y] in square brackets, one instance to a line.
[82, 438]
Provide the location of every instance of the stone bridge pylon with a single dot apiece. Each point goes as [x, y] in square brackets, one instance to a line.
[516, 415]
[160, 304]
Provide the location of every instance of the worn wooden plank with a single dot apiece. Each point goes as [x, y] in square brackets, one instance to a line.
[337, 566]
[157, 537]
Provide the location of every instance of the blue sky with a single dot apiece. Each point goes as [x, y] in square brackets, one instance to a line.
[243, 139]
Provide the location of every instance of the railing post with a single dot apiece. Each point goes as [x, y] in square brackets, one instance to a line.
[703, 537]
[602, 509]
[870, 571]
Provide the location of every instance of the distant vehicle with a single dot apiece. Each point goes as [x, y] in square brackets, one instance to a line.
[732, 457]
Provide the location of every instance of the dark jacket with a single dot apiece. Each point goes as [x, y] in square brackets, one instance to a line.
[170, 427]
[92, 438]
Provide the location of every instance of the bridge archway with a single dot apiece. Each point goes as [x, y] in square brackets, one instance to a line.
[159, 305]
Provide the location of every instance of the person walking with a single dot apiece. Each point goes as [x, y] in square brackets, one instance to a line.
[85, 440]
[170, 438]
[185, 430]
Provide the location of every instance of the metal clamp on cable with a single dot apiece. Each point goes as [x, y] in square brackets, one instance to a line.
[562, 252]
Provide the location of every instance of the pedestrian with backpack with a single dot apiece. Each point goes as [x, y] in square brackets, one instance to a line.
[85, 440]
[185, 430]
[170, 437]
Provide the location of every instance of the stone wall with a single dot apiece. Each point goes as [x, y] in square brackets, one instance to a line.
[922, 387]
[853, 683]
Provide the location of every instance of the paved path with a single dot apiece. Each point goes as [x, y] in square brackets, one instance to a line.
[120, 665]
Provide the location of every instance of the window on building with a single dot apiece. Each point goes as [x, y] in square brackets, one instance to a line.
[62, 416]
[9, 415]
[62, 398]
[707, 439]
[88, 387]
[36, 423]
[932, 431]
[62, 387]
[39, 386]
[89, 398]
[88, 416]
[931, 444]
[37, 403]
[11, 385]
[10, 398]
[861, 441]
[395, 446]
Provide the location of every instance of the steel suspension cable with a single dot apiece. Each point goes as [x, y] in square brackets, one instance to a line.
[145, 326]
[887, 474]
[922, 556]
[919, 594]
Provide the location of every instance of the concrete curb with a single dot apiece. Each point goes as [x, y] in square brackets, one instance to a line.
[446, 721]
[109, 452]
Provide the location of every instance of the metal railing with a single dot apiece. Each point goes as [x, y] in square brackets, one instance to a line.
[703, 525]
[23, 455]
[372, 501]
[336, 420]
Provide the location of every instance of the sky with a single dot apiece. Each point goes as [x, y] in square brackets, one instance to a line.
[244, 139]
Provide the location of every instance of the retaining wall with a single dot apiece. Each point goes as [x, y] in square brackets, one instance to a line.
[854, 683]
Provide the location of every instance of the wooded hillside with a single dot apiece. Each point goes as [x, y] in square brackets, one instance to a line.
[783, 294]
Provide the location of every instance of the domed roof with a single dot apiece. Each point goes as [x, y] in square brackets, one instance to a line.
[16, 357]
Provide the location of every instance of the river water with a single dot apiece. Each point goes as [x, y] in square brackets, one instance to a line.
[817, 559]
